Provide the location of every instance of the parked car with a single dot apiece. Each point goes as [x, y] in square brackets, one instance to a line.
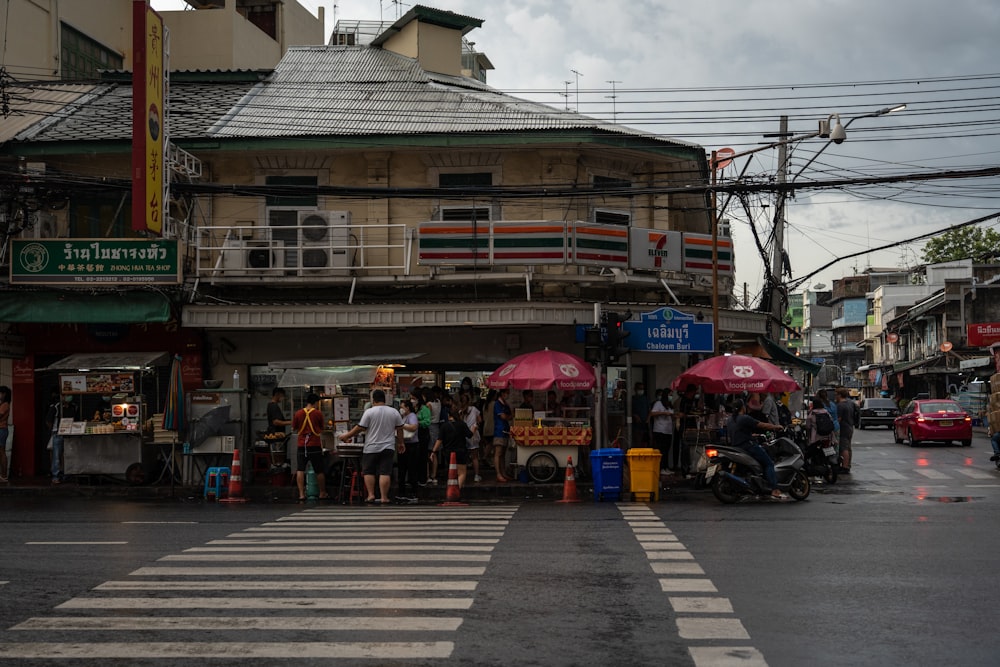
[877, 412]
[936, 419]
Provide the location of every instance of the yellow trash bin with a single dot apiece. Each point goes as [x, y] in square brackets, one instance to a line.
[644, 473]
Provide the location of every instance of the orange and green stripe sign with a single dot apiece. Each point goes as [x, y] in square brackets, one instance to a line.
[698, 253]
[601, 245]
[495, 243]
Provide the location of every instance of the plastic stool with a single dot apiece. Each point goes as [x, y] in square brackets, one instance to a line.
[216, 482]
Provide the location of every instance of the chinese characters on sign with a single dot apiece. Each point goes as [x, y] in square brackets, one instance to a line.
[107, 261]
[147, 119]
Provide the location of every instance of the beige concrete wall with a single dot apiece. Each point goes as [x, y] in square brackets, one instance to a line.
[404, 42]
[218, 39]
[440, 49]
[106, 21]
[299, 27]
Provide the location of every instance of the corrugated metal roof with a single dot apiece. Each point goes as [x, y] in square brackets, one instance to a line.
[352, 90]
[35, 104]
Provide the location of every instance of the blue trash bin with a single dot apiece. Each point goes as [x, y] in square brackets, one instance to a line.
[606, 469]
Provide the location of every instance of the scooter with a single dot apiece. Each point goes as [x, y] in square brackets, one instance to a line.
[821, 458]
[734, 474]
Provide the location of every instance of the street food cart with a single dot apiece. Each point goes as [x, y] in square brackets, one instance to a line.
[106, 434]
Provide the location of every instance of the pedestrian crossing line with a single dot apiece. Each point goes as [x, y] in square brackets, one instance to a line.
[375, 541]
[407, 556]
[285, 585]
[400, 523]
[328, 571]
[404, 529]
[974, 473]
[291, 548]
[930, 473]
[334, 623]
[890, 474]
[701, 605]
[290, 603]
[233, 650]
[699, 618]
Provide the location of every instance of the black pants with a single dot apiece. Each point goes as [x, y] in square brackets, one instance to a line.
[662, 442]
[682, 457]
[409, 466]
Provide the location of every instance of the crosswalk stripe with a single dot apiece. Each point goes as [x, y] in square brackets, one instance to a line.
[930, 473]
[353, 557]
[688, 586]
[237, 650]
[711, 628]
[975, 473]
[657, 546]
[701, 605]
[402, 523]
[289, 548]
[660, 567]
[354, 542]
[669, 555]
[229, 602]
[215, 623]
[889, 474]
[726, 656]
[327, 571]
[372, 530]
[285, 585]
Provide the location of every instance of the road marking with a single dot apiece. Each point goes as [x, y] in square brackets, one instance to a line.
[353, 557]
[930, 473]
[158, 522]
[290, 548]
[669, 555]
[659, 546]
[75, 543]
[982, 486]
[701, 605]
[266, 603]
[645, 537]
[360, 531]
[688, 586]
[676, 568]
[889, 474]
[236, 650]
[387, 540]
[711, 628]
[974, 473]
[327, 571]
[338, 623]
[454, 524]
[726, 656]
[281, 585]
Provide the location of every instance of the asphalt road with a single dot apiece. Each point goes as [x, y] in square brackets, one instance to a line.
[893, 565]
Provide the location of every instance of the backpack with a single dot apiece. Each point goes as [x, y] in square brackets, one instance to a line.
[824, 422]
[784, 415]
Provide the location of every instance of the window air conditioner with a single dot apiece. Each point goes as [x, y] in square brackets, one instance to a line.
[323, 240]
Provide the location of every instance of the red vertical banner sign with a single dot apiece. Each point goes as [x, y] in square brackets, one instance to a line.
[147, 118]
[23, 454]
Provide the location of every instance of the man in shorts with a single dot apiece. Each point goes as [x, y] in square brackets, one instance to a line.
[308, 424]
[383, 427]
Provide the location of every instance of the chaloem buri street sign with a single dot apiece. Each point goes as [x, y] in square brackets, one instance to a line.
[94, 261]
[669, 330]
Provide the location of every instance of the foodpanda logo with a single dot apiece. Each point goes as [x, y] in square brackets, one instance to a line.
[508, 370]
[743, 371]
[569, 370]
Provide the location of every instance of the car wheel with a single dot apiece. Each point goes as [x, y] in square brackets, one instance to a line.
[967, 443]
[911, 440]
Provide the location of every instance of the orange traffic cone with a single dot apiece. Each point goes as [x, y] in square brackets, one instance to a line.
[569, 486]
[453, 497]
[235, 481]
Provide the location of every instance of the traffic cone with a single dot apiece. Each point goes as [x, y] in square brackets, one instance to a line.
[235, 494]
[569, 486]
[453, 498]
[312, 487]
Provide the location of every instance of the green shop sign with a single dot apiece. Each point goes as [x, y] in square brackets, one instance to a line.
[94, 261]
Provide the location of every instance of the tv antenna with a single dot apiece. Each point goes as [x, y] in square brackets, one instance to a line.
[578, 75]
[613, 96]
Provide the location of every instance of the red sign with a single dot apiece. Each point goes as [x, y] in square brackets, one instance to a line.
[892, 337]
[983, 334]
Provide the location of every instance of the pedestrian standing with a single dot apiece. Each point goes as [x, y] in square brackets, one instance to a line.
[469, 414]
[769, 407]
[662, 417]
[502, 418]
[845, 415]
[453, 441]
[486, 443]
[308, 424]
[60, 409]
[640, 416]
[408, 463]
[383, 427]
[423, 436]
[5, 396]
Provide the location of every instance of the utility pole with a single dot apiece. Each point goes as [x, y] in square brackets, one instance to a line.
[777, 261]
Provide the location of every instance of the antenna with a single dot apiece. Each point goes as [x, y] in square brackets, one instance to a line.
[613, 96]
[566, 92]
[578, 75]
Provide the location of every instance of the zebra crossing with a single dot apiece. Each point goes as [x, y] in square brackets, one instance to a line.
[336, 583]
[924, 474]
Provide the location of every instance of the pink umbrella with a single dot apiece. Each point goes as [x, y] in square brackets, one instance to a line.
[734, 373]
[545, 369]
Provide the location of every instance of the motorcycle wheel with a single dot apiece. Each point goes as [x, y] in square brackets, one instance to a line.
[725, 490]
[799, 488]
[830, 474]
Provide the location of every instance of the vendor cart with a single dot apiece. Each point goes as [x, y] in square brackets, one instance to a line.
[544, 449]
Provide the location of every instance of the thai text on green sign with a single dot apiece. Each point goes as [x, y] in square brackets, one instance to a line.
[94, 261]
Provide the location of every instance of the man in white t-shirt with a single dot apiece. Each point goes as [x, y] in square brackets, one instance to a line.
[383, 427]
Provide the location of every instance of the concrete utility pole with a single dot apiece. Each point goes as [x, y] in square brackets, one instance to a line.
[777, 262]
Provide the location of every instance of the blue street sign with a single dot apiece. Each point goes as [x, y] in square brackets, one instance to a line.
[669, 330]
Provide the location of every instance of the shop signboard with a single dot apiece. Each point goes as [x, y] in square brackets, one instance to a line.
[94, 261]
[669, 330]
[983, 334]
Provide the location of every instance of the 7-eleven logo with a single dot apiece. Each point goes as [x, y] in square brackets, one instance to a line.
[658, 249]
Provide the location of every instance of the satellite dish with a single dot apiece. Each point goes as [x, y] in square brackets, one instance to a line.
[724, 157]
[819, 286]
[946, 346]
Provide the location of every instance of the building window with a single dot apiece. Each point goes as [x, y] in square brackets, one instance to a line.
[99, 216]
[603, 216]
[82, 56]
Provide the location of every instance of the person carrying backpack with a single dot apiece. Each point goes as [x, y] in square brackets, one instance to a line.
[820, 422]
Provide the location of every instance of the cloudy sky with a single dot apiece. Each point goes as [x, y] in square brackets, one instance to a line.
[721, 74]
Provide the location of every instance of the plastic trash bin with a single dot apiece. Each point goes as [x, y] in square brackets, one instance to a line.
[606, 470]
[644, 473]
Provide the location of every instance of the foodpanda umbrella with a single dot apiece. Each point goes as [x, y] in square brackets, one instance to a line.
[173, 411]
[545, 369]
[735, 373]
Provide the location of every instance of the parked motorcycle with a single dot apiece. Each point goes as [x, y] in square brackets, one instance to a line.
[821, 458]
[734, 474]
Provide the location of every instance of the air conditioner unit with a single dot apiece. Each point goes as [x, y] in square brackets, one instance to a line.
[251, 258]
[323, 240]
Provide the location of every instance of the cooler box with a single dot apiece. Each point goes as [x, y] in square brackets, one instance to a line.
[606, 470]
[644, 473]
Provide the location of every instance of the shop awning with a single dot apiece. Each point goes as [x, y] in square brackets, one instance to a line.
[903, 366]
[780, 355]
[110, 361]
[322, 377]
[82, 308]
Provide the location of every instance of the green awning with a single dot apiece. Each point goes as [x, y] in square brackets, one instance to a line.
[780, 355]
[903, 366]
[79, 307]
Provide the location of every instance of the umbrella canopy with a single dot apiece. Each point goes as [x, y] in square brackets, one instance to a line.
[173, 411]
[545, 369]
[735, 373]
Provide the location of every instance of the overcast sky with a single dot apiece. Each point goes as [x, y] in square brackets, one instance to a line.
[752, 61]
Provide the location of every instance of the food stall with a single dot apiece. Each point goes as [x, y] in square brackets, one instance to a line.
[544, 442]
[106, 434]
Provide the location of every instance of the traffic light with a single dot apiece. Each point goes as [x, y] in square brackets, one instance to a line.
[593, 345]
[616, 346]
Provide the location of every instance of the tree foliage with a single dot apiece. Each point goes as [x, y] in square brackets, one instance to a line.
[973, 241]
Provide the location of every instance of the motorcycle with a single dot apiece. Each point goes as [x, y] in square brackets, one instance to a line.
[734, 474]
[821, 458]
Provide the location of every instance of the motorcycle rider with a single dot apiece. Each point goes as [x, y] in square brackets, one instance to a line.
[741, 428]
